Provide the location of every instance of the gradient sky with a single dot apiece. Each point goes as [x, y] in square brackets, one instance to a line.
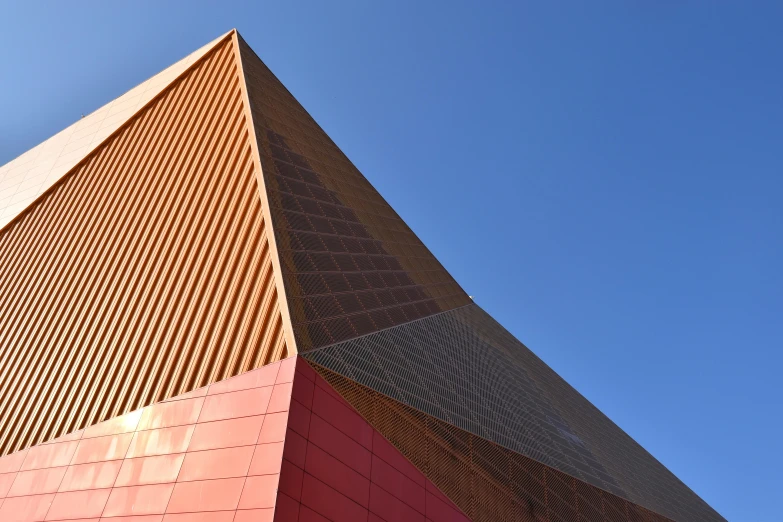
[605, 178]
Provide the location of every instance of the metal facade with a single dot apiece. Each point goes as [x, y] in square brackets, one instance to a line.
[485, 480]
[464, 369]
[203, 226]
[209, 455]
[350, 264]
[145, 272]
[26, 177]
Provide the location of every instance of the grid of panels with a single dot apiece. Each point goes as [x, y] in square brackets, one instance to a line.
[350, 264]
[212, 454]
[488, 482]
[465, 369]
[337, 467]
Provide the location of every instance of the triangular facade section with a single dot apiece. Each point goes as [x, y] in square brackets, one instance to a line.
[145, 271]
[217, 231]
[336, 466]
[368, 301]
[463, 369]
[349, 262]
[485, 480]
[25, 178]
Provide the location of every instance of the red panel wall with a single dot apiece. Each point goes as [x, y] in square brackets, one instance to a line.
[213, 455]
[337, 467]
[277, 443]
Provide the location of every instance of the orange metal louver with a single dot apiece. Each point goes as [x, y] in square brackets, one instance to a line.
[145, 272]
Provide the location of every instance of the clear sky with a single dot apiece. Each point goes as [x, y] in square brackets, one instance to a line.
[604, 177]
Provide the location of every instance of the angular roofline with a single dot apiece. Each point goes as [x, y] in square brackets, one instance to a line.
[277, 271]
[98, 146]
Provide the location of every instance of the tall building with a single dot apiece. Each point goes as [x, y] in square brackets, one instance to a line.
[207, 313]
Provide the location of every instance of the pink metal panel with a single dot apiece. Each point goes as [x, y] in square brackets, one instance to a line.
[37, 482]
[97, 475]
[260, 492]
[227, 433]
[266, 459]
[223, 455]
[164, 462]
[216, 464]
[160, 442]
[138, 500]
[24, 509]
[158, 469]
[78, 504]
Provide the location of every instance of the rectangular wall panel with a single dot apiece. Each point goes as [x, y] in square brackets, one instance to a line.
[337, 467]
[213, 454]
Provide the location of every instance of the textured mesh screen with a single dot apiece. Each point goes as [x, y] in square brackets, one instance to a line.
[464, 368]
[350, 264]
[488, 482]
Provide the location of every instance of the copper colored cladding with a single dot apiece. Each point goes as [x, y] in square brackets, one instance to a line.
[463, 368]
[336, 467]
[210, 455]
[145, 272]
[488, 482]
[350, 264]
[150, 270]
[276, 443]
[25, 178]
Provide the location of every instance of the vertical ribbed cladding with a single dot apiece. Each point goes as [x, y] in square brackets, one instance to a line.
[145, 273]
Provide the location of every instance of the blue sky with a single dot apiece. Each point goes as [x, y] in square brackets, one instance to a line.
[605, 178]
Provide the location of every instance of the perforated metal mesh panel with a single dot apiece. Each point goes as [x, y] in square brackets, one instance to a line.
[350, 264]
[465, 369]
[485, 480]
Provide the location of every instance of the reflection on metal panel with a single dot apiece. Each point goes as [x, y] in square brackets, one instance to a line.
[191, 458]
[144, 273]
[464, 368]
[350, 264]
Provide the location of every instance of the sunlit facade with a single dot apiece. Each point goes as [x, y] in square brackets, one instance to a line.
[207, 313]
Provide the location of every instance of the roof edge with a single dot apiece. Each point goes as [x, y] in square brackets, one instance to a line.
[277, 270]
[217, 42]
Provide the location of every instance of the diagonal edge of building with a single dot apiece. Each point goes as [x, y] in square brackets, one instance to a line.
[277, 271]
[146, 271]
[350, 264]
[218, 229]
[28, 176]
[463, 369]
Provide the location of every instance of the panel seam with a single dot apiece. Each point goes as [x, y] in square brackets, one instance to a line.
[338, 343]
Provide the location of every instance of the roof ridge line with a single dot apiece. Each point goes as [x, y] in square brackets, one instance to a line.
[220, 40]
[277, 269]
